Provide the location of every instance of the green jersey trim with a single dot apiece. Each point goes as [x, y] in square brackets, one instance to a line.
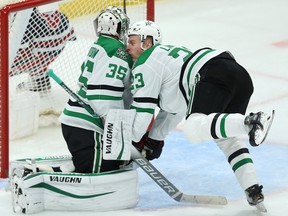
[98, 152]
[103, 97]
[82, 93]
[115, 48]
[145, 110]
[144, 56]
[194, 63]
[94, 121]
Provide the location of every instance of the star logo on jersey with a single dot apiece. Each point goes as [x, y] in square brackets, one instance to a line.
[121, 53]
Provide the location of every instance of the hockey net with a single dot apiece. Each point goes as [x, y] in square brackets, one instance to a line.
[41, 35]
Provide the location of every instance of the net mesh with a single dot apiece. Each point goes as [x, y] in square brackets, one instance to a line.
[54, 36]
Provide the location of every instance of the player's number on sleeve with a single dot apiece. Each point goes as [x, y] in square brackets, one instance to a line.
[176, 52]
[137, 81]
[180, 52]
[118, 72]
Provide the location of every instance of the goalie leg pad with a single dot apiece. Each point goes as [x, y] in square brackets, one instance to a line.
[107, 191]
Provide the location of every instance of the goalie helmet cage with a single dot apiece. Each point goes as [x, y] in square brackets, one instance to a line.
[10, 69]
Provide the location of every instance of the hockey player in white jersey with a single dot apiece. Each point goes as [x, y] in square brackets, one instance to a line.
[208, 87]
[105, 75]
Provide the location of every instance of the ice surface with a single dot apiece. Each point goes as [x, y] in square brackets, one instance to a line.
[256, 33]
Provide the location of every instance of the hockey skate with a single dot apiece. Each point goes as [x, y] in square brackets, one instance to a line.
[259, 124]
[21, 201]
[41, 84]
[18, 196]
[255, 197]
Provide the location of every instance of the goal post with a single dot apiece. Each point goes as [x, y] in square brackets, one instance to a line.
[41, 35]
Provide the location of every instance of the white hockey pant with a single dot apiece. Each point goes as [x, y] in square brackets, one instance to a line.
[200, 128]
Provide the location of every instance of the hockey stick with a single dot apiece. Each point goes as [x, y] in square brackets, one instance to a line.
[147, 167]
[169, 188]
[51, 74]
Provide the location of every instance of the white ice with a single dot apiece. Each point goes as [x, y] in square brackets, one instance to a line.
[256, 32]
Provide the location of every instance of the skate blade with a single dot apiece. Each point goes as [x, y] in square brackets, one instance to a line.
[261, 207]
[270, 123]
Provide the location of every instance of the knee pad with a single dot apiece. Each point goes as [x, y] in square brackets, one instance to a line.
[197, 128]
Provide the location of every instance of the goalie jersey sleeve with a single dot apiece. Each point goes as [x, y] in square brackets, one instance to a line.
[105, 75]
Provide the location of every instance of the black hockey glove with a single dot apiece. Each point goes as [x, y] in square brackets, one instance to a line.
[153, 148]
[149, 148]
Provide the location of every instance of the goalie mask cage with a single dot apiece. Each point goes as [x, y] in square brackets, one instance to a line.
[41, 35]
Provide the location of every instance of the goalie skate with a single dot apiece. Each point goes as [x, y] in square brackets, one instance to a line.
[17, 194]
[19, 197]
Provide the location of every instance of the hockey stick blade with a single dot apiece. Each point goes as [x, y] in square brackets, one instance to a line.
[169, 188]
[147, 167]
[203, 199]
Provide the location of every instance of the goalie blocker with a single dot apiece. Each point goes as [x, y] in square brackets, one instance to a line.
[35, 192]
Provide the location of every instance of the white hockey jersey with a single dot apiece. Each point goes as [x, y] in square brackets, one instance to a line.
[105, 76]
[165, 76]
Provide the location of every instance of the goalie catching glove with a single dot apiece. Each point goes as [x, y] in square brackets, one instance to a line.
[149, 148]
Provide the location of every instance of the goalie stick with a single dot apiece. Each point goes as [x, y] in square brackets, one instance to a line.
[51, 74]
[146, 166]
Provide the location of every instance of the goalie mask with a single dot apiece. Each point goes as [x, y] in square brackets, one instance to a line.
[144, 29]
[112, 21]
